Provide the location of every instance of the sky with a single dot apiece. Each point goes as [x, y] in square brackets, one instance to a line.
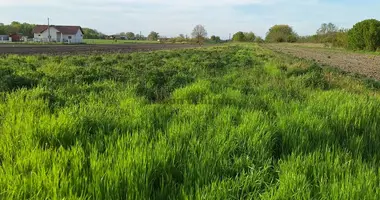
[173, 17]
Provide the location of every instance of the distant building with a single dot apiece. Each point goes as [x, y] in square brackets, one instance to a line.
[69, 34]
[15, 37]
[4, 38]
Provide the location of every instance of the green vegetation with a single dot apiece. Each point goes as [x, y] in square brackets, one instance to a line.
[365, 35]
[104, 41]
[244, 37]
[330, 35]
[89, 33]
[281, 33]
[228, 122]
[17, 27]
[153, 36]
[215, 39]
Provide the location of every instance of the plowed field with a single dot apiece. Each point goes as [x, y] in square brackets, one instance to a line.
[81, 49]
[359, 63]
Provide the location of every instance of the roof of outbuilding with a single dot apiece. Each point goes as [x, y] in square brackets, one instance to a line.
[63, 29]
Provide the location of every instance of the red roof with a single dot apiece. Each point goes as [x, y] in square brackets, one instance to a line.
[72, 30]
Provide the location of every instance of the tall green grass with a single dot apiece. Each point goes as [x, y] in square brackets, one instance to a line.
[230, 122]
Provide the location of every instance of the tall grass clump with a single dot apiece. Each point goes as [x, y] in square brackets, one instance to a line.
[226, 122]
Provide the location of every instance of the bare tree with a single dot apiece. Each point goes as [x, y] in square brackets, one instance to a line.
[199, 33]
[327, 29]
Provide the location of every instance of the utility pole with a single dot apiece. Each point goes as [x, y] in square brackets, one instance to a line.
[49, 36]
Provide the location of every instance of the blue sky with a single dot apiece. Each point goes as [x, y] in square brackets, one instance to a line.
[173, 17]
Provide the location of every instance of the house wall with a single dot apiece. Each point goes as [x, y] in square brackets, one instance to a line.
[77, 38]
[4, 38]
[43, 37]
[66, 38]
[56, 36]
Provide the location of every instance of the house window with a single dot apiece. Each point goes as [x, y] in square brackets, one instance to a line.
[39, 35]
[69, 37]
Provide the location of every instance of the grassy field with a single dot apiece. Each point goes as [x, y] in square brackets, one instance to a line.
[100, 41]
[227, 122]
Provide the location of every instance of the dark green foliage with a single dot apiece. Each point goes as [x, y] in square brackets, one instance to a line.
[92, 34]
[244, 37]
[373, 84]
[238, 37]
[281, 33]
[16, 27]
[259, 39]
[365, 35]
[9, 80]
[153, 36]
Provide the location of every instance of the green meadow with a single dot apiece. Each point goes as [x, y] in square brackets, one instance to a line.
[226, 122]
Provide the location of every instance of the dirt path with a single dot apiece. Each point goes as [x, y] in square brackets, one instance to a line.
[364, 64]
[82, 49]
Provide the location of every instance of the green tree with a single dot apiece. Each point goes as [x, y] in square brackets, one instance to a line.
[238, 37]
[140, 37]
[16, 27]
[92, 34]
[199, 34]
[259, 39]
[2, 29]
[153, 36]
[27, 29]
[215, 39]
[249, 37]
[341, 38]
[281, 33]
[365, 35]
[130, 35]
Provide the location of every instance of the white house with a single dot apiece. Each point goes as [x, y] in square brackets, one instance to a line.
[70, 34]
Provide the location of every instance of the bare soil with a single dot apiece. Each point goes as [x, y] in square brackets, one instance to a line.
[359, 63]
[83, 49]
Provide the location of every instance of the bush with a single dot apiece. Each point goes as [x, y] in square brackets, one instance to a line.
[341, 39]
[244, 37]
[259, 39]
[281, 33]
[365, 35]
[238, 37]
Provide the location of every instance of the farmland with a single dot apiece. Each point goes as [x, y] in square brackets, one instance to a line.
[366, 64]
[103, 41]
[84, 49]
[225, 122]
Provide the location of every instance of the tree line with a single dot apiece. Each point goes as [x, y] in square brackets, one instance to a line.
[17, 28]
[26, 29]
[364, 35]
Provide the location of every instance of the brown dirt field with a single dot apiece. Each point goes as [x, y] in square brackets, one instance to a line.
[364, 64]
[83, 49]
